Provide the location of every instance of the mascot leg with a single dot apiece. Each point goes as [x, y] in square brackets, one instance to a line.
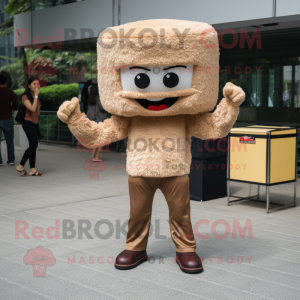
[141, 191]
[176, 192]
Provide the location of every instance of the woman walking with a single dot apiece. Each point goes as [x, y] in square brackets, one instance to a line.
[30, 125]
[96, 113]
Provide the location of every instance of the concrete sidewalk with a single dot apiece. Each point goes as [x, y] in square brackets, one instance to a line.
[265, 267]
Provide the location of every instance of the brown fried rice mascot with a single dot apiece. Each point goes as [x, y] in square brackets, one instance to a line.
[159, 79]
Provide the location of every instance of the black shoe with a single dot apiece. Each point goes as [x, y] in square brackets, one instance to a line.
[11, 163]
[1, 164]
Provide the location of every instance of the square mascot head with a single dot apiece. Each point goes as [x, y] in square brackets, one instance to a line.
[158, 68]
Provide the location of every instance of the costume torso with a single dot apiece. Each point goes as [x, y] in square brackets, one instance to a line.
[158, 147]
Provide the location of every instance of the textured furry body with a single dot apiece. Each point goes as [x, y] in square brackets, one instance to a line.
[158, 141]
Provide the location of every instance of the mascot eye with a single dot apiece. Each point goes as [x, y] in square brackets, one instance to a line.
[171, 80]
[142, 80]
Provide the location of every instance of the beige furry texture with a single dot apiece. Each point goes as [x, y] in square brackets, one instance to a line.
[159, 142]
[199, 46]
[90, 133]
[157, 146]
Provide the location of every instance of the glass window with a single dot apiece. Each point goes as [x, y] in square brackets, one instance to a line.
[269, 75]
[279, 86]
[42, 4]
[297, 87]
[287, 86]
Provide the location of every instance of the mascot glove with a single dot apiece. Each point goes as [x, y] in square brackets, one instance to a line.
[69, 111]
[233, 94]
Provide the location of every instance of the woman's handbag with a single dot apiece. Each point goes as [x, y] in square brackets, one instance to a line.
[21, 113]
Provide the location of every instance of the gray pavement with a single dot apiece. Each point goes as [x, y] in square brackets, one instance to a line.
[266, 266]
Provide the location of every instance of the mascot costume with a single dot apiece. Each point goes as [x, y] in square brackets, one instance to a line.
[159, 79]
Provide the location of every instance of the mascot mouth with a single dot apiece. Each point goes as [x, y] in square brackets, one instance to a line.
[157, 105]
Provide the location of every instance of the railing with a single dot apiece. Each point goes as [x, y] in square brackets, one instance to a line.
[53, 130]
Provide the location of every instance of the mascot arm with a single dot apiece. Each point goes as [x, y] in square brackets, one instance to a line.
[90, 133]
[218, 124]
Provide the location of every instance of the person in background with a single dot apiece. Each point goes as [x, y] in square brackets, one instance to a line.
[8, 103]
[30, 126]
[96, 112]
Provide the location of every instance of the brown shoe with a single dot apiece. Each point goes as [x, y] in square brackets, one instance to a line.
[130, 259]
[189, 262]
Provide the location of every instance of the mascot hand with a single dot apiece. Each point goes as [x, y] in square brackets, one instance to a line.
[69, 110]
[233, 94]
